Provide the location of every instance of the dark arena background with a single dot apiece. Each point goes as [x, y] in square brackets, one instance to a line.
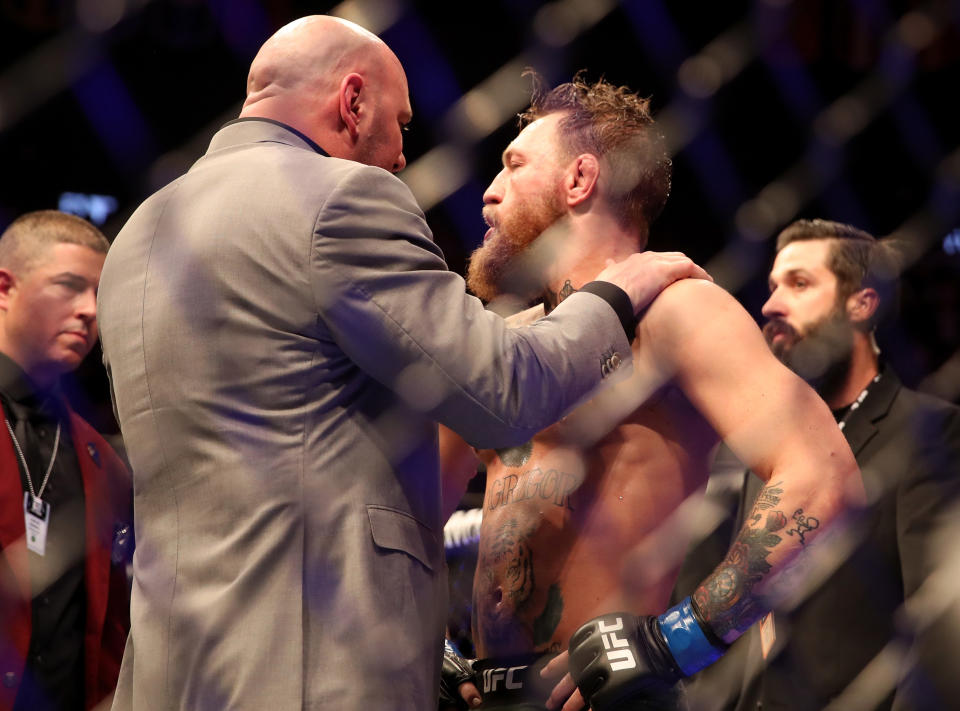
[774, 110]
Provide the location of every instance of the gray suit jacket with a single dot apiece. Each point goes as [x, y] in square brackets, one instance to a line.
[281, 335]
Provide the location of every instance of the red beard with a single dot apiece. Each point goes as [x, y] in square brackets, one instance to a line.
[492, 268]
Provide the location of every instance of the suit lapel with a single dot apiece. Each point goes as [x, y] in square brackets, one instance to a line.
[859, 430]
[862, 425]
[11, 494]
[15, 594]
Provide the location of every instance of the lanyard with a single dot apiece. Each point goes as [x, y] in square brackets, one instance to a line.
[859, 401]
[23, 460]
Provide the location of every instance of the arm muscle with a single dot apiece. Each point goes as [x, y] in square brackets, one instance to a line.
[697, 334]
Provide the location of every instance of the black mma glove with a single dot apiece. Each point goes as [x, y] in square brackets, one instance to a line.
[620, 657]
[454, 671]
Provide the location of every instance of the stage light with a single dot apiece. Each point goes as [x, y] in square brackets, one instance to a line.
[96, 208]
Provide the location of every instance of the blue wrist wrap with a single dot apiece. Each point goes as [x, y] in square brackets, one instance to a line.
[688, 644]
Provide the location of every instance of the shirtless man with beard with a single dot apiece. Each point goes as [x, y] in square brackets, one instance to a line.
[581, 521]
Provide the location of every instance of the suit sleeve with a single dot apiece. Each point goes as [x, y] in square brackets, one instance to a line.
[928, 522]
[385, 293]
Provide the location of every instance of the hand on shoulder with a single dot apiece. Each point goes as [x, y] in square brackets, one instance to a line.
[644, 275]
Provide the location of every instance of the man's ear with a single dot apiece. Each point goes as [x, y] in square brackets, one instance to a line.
[8, 283]
[349, 94]
[582, 177]
[862, 305]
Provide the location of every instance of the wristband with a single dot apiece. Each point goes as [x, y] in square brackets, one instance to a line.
[686, 640]
[619, 302]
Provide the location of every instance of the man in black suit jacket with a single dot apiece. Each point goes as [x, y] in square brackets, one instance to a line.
[867, 626]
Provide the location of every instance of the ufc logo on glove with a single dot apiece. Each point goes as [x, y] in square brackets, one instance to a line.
[618, 657]
[491, 677]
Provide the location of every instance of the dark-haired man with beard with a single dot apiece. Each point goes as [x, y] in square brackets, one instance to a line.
[830, 285]
[582, 521]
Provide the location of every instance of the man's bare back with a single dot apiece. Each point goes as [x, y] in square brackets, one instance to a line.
[567, 519]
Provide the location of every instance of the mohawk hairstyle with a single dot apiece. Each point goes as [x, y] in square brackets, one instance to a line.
[615, 124]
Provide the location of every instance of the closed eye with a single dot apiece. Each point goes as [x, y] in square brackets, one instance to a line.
[77, 285]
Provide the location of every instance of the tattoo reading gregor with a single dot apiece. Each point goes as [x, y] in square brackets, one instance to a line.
[547, 485]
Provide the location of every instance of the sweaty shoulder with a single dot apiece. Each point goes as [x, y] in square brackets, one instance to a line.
[689, 303]
[690, 316]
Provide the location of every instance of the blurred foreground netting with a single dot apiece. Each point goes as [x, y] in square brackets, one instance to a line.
[873, 606]
[855, 562]
[772, 109]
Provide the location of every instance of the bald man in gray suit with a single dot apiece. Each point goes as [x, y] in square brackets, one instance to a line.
[282, 336]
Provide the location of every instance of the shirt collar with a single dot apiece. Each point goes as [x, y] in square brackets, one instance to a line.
[305, 138]
[22, 392]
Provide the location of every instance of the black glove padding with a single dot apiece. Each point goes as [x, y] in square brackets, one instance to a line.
[454, 671]
[619, 657]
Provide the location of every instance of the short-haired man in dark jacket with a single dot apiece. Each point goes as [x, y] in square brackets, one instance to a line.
[65, 496]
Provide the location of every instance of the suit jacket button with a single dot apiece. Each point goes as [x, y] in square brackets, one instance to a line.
[10, 679]
[615, 361]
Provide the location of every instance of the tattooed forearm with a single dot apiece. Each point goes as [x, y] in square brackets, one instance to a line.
[768, 498]
[805, 524]
[725, 598]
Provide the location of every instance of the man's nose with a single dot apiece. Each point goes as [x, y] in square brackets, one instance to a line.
[400, 164]
[493, 194]
[773, 306]
[87, 306]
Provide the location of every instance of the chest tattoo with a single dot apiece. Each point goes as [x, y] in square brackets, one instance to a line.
[545, 485]
[515, 456]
